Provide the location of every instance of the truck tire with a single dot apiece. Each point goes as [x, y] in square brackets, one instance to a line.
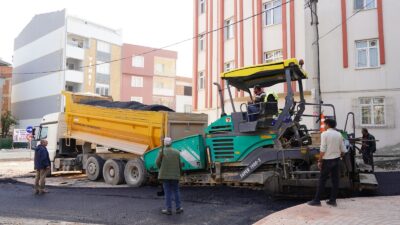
[135, 173]
[94, 167]
[113, 171]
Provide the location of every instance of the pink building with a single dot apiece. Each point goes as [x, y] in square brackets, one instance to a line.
[148, 75]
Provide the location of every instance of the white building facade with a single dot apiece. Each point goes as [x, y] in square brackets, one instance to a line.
[359, 72]
[357, 54]
[56, 52]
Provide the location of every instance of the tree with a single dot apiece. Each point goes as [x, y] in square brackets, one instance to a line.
[7, 120]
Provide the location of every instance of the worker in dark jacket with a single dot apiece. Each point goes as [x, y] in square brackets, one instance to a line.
[169, 164]
[42, 167]
[368, 147]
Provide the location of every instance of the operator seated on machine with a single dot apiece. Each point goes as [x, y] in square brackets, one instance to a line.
[253, 108]
[271, 107]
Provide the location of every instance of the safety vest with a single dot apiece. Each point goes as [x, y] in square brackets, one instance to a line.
[273, 94]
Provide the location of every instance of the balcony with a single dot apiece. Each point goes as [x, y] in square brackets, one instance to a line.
[75, 52]
[74, 76]
[163, 91]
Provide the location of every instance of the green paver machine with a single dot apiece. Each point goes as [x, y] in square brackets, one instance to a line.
[267, 148]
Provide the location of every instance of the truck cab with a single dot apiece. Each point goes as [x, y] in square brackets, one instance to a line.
[63, 151]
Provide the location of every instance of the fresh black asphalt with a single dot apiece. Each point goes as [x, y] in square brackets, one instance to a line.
[203, 205]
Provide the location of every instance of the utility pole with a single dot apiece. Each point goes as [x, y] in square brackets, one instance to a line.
[312, 4]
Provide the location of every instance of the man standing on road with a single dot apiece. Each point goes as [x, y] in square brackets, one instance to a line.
[332, 146]
[42, 167]
[169, 164]
[368, 147]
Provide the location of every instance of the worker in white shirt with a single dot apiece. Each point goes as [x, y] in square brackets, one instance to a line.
[332, 146]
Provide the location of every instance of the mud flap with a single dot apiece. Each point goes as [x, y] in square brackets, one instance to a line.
[368, 181]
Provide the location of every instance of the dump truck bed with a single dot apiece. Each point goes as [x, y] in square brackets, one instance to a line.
[133, 131]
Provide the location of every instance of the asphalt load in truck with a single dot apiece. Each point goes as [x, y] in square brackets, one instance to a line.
[127, 105]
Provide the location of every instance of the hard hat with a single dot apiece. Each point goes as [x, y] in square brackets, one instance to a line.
[167, 141]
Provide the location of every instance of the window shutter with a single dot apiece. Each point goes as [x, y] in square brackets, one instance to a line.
[357, 111]
[390, 115]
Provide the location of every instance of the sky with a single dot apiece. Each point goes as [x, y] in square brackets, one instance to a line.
[152, 23]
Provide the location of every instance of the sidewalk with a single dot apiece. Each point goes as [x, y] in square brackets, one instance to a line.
[365, 210]
[16, 154]
[30, 221]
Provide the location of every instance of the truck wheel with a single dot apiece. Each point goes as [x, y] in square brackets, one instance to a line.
[135, 173]
[113, 171]
[94, 168]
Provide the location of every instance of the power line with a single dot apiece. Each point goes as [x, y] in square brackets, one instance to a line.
[189, 39]
[340, 24]
[164, 47]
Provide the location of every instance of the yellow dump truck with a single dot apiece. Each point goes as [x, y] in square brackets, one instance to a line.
[109, 142]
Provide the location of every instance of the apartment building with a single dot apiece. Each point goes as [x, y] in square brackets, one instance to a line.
[358, 47]
[183, 94]
[359, 71]
[148, 75]
[5, 86]
[56, 52]
[236, 33]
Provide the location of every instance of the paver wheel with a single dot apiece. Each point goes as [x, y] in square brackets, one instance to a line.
[113, 171]
[94, 167]
[135, 173]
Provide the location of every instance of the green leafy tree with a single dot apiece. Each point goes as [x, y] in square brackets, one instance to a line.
[7, 120]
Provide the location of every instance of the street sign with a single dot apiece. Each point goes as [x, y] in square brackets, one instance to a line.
[20, 135]
[29, 129]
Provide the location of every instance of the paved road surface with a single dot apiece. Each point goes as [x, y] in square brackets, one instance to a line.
[203, 205]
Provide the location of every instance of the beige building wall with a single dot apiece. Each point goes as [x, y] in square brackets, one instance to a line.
[164, 66]
[90, 71]
[115, 72]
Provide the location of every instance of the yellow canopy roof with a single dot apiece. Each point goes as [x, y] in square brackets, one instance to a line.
[265, 75]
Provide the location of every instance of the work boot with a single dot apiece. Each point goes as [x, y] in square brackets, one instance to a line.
[179, 210]
[35, 192]
[166, 211]
[43, 191]
[331, 203]
[314, 203]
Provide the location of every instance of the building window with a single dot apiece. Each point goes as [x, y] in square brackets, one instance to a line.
[103, 68]
[229, 66]
[372, 111]
[364, 4]
[273, 12]
[159, 68]
[137, 81]
[187, 108]
[367, 54]
[273, 56]
[201, 80]
[187, 91]
[70, 66]
[138, 61]
[202, 6]
[102, 89]
[103, 47]
[137, 99]
[228, 29]
[201, 42]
